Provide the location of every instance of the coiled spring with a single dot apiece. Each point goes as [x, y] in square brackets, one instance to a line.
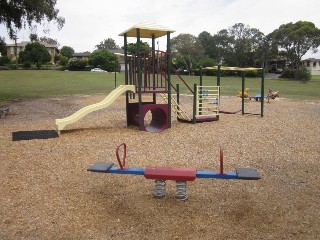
[181, 191]
[160, 189]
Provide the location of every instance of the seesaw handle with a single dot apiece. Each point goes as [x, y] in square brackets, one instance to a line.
[122, 163]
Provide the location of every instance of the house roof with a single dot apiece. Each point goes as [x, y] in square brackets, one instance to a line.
[116, 51]
[311, 60]
[147, 30]
[85, 54]
[24, 43]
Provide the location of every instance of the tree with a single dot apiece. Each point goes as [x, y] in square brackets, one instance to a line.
[16, 14]
[132, 47]
[296, 39]
[209, 45]
[3, 48]
[104, 60]
[34, 37]
[67, 51]
[35, 53]
[50, 41]
[236, 46]
[107, 44]
[63, 61]
[76, 64]
[266, 52]
[187, 49]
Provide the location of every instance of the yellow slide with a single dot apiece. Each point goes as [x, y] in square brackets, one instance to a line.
[62, 123]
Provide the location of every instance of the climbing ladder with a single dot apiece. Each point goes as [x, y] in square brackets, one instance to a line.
[176, 108]
[207, 101]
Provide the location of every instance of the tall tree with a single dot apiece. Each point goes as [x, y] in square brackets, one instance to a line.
[266, 52]
[35, 53]
[34, 37]
[3, 48]
[104, 59]
[224, 43]
[187, 49]
[236, 46]
[67, 51]
[16, 14]
[132, 47]
[296, 39]
[50, 41]
[107, 44]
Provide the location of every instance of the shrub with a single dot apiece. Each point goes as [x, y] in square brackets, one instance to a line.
[287, 73]
[4, 60]
[63, 61]
[76, 64]
[27, 65]
[303, 74]
[253, 73]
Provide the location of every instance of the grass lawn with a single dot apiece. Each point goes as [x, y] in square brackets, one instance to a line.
[24, 84]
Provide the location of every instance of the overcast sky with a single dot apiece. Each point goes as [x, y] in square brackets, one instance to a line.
[90, 22]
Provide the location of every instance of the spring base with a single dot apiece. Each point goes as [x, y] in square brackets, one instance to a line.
[181, 191]
[160, 189]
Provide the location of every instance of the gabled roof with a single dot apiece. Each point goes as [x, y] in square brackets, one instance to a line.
[83, 54]
[311, 60]
[147, 29]
[24, 43]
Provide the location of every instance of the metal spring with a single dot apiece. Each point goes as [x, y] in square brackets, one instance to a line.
[160, 189]
[181, 191]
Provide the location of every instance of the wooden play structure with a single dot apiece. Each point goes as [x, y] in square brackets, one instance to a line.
[149, 73]
[148, 76]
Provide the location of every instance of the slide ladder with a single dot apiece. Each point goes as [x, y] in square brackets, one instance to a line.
[176, 108]
[62, 123]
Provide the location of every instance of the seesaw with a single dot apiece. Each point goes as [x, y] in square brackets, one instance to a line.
[180, 175]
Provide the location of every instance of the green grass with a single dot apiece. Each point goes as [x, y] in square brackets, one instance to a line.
[287, 88]
[35, 84]
[20, 84]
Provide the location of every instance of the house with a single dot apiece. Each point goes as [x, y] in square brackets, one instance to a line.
[313, 64]
[120, 54]
[52, 49]
[84, 55]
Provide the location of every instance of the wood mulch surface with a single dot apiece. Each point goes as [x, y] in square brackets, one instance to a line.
[47, 192]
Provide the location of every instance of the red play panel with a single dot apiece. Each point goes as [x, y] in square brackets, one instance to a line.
[168, 173]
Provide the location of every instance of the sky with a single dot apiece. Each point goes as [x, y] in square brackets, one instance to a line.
[90, 22]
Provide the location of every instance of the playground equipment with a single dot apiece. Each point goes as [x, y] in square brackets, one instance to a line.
[62, 123]
[4, 111]
[243, 94]
[181, 175]
[149, 73]
[272, 94]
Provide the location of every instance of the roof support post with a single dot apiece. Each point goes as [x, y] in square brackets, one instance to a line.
[242, 88]
[262, 91]
[126, 74]
[139, 79]
[153, 68]
[169, 77]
